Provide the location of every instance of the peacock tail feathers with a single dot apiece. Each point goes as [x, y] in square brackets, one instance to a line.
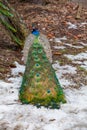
[40, 85]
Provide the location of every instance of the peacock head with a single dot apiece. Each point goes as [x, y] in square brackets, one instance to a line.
[35, 32]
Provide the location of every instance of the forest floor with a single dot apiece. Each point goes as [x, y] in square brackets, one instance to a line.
[55, 20]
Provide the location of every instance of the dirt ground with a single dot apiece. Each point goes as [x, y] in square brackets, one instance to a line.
[51, 20]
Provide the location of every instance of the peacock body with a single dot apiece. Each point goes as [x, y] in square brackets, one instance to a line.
[42, 39]
[40, 85]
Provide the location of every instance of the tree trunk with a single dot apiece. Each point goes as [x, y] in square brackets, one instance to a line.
[13, 23]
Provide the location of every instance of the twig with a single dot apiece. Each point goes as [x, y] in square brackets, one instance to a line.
[78, 16]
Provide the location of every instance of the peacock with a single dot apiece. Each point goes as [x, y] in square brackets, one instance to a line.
[40, 86]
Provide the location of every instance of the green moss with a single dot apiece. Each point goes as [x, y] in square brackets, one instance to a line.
[6, 13]
[9, 19]
[3, 6]
[7, 25]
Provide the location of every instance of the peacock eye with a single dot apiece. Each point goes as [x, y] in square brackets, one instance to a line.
[37, 74]
[48, 91]
[34, 52]
[36, 59]
[35, 55]
[40, 51]
[37, 64]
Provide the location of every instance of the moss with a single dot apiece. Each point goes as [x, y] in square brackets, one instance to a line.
[6, 13]
[3, 6]
[8, 25]
[12, 23]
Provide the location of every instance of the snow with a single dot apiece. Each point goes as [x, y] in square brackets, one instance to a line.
[82, 63]
[15, 116]
[83, 24]
[82, 43]
[71, 25]
[84, 66]
[64, 70]
[77, 59]
[59, 47]
[60, 70]
[80, 56]
[59, 40]
[18, 69]
[70, 45]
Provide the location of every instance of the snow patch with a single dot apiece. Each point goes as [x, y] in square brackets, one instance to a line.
[83, 44]
[83, 24]
[14, 115]
[60, 39]
[62, 70]
[76, 59]
[59, 47]
[70, 45]
[80, 56]
[19, 68]
[71, 26]
[84, 66]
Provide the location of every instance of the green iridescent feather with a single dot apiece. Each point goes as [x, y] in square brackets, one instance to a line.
[40, 85]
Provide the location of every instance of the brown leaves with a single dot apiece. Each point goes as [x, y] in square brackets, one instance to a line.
[56, 53]
[50, 35]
